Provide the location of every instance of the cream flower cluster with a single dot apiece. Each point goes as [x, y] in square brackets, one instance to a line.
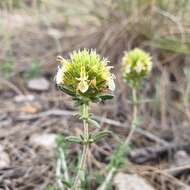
[137, 64]
[85, 74]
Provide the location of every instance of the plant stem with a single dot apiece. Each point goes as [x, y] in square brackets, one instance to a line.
[82, 165]
[108, 179]
[64, 164]
[126, 142]
[61, 166]
[134, 119]
[59, 175]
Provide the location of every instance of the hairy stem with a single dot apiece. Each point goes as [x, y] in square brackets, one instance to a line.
[64, 164]
[59, 175]
[82, 165]
[108, 179]
[134, 119]
[61, 167]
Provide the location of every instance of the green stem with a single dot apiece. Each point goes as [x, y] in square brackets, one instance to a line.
[108, 179]
[126, 142]
[134, 119]
[61, 166]
[64, 164]
[82, 165]
[59, 174]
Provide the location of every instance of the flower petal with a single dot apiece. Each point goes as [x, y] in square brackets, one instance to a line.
[59, 76]
[83, 86]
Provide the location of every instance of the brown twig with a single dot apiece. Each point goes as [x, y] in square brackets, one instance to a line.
[57, 112]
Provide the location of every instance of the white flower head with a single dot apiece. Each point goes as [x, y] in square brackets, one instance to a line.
[85, 74]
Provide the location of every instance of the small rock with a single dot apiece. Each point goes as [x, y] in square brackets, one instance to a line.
[24, 98]
[4, 158]
[38, 84]
[181, 158]
[47, 141]
[131, 182]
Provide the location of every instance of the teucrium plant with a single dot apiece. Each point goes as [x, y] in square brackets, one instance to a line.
[136, 65]
[86, 77]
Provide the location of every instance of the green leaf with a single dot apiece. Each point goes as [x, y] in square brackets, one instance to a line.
[106, 97]
[94, 123]
[82, 138]
[66, 90]
[82, 174]
[67, 184]
[118, 158]
[77, 99]
[60, 140]
[100, 135]
[73, 139]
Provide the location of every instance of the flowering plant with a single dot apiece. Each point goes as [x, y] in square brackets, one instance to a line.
[137, 65]
[87, 78]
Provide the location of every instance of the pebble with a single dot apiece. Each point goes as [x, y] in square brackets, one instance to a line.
[131, 182]
[181, 158]
[47, 141]
[24, 98]
[4, 159]
[38, 84]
